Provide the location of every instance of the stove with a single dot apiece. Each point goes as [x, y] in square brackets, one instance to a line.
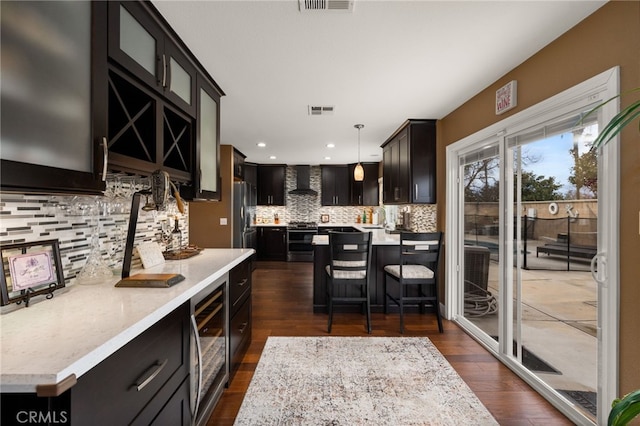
[302, 225]
[299, 241]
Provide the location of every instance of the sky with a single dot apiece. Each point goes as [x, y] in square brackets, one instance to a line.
[554, 157]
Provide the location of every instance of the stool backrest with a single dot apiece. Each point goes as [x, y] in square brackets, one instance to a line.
[420, 248]
[350, 252]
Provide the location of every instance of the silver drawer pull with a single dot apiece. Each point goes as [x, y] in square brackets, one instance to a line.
[151, 374]
[243, 282]
[243, 327]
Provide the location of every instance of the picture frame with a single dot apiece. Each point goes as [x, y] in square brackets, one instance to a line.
[30, 269]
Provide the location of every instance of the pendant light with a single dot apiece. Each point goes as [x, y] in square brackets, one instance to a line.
[358, 172]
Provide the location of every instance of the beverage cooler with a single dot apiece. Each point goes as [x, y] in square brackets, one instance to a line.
[209, 373]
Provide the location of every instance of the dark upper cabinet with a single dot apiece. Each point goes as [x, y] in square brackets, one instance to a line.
[251, 174]
[335, 185]
[238, 164]
[143, 101]
[163, 107]
[206, 176]
[271, 184]
[45, 147]
[365, 193]
[409, 164]
[141, 45]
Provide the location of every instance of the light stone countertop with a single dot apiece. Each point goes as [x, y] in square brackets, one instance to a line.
[83, 324]
[380, 237]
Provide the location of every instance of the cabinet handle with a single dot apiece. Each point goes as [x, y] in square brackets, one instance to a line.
[164, 70]
[151, 373]
[416, 196]
[105, 158]
[243, 327]
[194, 327]
[243, 282]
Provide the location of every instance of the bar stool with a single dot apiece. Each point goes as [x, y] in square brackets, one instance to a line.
[349, 271]
[415, 278]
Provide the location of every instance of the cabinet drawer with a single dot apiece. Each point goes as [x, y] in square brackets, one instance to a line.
[239, 335]
[239, 286]
[130, 378]
[173, 409]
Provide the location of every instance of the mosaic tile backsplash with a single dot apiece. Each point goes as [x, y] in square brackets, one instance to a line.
[308, 208]
[73, 221]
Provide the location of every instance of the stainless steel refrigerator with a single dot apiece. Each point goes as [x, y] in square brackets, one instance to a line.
[244, 210]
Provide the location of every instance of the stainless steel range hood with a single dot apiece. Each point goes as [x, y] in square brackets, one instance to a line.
[303, 180]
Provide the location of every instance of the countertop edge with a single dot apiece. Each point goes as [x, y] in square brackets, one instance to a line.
[27, 383]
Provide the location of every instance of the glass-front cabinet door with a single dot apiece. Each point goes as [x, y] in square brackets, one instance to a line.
[206, 176]
[50, 99]
[139, 44]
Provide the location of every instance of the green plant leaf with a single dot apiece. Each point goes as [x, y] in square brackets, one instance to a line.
[625, 409]
[618, 122]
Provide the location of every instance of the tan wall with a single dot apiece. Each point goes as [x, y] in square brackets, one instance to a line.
[204, 216]
[609, 37]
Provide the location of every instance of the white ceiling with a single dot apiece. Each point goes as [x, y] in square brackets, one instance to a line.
[379, 65]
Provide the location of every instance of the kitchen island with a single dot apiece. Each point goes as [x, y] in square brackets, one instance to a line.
[48, 347]
[385, 251]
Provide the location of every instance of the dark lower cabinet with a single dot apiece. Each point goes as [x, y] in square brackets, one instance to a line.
[272, 243]
[175, 412]
[146, 382]
[239, 314]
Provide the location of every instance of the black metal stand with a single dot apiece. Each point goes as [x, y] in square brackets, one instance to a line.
[131, 233]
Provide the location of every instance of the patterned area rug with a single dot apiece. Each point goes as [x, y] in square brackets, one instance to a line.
[358, 381]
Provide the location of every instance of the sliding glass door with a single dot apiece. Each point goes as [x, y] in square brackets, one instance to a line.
[551, 192]
[480, 188]
[532, 270]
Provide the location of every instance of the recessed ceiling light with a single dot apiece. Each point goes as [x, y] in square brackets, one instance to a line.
[272, 157]
[327, 158]
[261, 144]
[331, 145]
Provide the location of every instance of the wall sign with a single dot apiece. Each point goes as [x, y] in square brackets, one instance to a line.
[507, 97]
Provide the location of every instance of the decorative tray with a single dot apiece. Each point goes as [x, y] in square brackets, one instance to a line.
[184, 253]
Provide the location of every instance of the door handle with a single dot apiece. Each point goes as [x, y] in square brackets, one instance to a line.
[599, 275]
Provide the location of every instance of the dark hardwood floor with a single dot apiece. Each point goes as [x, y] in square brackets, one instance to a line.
[282, 306]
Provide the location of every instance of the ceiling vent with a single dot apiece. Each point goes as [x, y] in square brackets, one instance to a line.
[333, 5]
[320, 110]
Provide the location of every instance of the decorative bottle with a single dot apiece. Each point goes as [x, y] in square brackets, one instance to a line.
[176, 236]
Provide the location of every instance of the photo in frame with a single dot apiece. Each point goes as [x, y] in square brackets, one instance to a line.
[30, 269]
